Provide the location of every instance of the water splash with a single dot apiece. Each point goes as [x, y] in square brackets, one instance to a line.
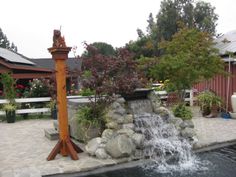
[164, 146]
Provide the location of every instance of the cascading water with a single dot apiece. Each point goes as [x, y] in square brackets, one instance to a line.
[163, 144]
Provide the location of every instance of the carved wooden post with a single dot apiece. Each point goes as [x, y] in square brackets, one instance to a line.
[59, 53]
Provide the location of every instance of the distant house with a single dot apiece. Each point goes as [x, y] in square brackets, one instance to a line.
[221, 85]
[24, 69]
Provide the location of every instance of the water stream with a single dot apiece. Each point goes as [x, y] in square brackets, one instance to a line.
[162, 145]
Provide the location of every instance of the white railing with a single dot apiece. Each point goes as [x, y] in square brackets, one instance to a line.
[33, 100]
[163, 95]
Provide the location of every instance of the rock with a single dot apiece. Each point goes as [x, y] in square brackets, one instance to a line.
[163, 112]
[101, 153]
[189, 123]
[107, 134]
[188, 133]
[120, 100]
[138, 154]
[115, 105]
[129, 118]
[126, 131]
[128, 126]
[155, 101]
[121, 111]
[176, 121]
[93, 145]
[112, 125]
[138, 140]
[120, 146]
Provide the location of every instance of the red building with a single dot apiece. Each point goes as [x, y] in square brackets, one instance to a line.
[24, 69]
[224, 86]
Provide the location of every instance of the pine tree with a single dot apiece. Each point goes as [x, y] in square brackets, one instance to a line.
[5, 43]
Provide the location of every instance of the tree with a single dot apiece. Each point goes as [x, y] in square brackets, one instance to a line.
[173, 15]
[190, 57]
[106, 76]
[198, 15]
[5, 43]
[103, 48]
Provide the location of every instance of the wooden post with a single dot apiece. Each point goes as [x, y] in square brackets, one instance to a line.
[59, 53]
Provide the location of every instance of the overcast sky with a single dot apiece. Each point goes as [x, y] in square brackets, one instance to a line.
[30, 23]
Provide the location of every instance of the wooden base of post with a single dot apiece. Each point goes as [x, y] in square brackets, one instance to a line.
[65, 147]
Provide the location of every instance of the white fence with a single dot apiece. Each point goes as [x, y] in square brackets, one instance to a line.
[163, 95]
[189, 98]
[32, 100]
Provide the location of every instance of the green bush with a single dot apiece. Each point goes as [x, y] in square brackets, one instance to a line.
[8, 86]
[86, 92]
[208, 99]
[182, 111]
[91, 116]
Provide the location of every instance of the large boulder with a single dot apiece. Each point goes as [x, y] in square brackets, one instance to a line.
[188, 133]
[112, 125]
[120, 146]
[176, 121]
[126, 131]
[101, 153]
[187, 123]
[163, 112]
[129, 118]
[138, 139]
[93, 145]
[128, 126]
[107, 134]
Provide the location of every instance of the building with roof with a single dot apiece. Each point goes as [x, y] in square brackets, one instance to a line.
[24, 69]
[224, 86]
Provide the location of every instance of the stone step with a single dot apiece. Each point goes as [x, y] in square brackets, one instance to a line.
[51, 134]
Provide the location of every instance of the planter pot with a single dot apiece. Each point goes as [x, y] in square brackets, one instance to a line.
[84, 134]
[225, 115]
[54, 113]
[11, 116]
[206, 111]
[233, 101]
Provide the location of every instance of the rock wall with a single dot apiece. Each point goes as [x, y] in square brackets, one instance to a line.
[120, 139]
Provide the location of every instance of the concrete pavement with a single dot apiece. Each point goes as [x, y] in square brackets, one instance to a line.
[24, 148]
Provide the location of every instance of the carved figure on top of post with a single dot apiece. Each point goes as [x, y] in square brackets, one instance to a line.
[58, 40]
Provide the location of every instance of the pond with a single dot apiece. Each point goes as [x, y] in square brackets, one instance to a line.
[216, 163]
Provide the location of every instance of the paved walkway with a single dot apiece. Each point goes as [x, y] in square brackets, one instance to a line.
[24, 148]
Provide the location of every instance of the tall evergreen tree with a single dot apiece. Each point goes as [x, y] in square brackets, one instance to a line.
[5, 43]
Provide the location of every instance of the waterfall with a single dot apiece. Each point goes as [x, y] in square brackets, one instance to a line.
[162, 144]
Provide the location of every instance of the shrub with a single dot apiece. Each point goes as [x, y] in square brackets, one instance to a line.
[182, 111]
[208, 99]
[8, 86]
[38, 88]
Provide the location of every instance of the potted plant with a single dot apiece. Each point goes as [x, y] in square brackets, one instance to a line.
[209, 103]
[10, 110]
[9, 93]
[53, 107]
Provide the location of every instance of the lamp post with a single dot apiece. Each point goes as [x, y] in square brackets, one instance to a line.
[65, 146]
